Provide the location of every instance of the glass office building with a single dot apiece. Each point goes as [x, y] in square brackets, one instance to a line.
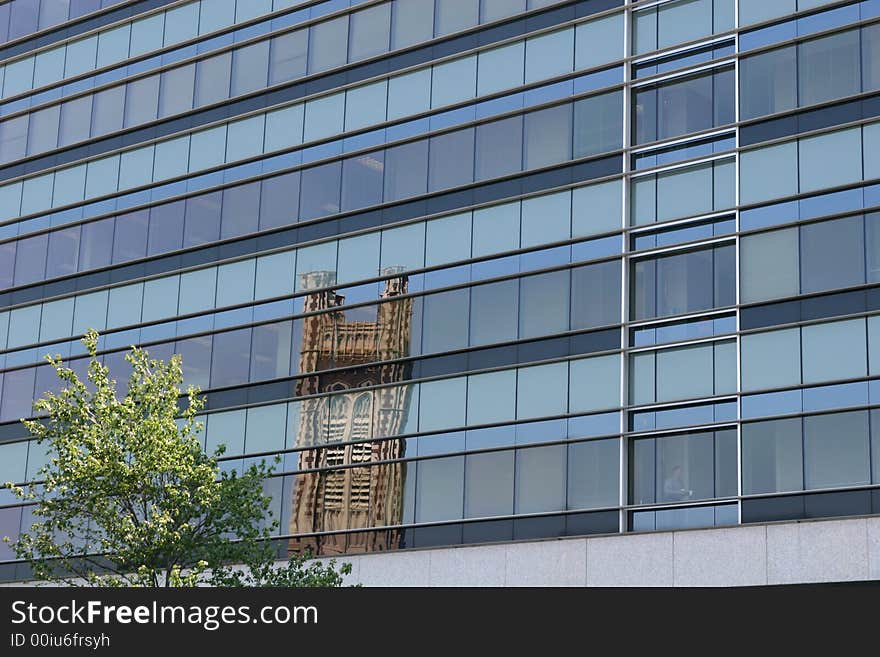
[479, 270]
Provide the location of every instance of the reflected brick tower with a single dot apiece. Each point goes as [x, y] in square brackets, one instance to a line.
[354, 496]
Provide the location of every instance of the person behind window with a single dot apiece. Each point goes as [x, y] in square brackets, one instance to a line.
[674, 489]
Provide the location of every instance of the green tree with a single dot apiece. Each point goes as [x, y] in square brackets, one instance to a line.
[130, 498]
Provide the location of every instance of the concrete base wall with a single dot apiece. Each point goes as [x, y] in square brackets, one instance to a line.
[779, 553]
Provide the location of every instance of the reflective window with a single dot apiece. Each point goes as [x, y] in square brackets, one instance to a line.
[328, 44]
[548, 136]
[370, 32]
[542, 390]
[498, 147]
[771, 360]
[288, 56]
[684, 282]
[684, 105]
[836, 450]
[682, 468]
[411, 22]
[549, 55]
[832, 254]
[768, 82]
[544, 304]
[598, 124]
[540, 479]
[451, 160]
[836, 350]
[455, 15]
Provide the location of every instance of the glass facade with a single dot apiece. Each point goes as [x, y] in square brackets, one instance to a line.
[473, 269]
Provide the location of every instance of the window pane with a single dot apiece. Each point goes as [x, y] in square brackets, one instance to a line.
[324, 117]
[328, 44]
[496, 229]
[771, 360]
[212, 79]
[451, 160]
[686, 372]
[362, 181]
[678, 22]
[358, 257]
[196, 363]
[250, 68]
[454, 81]
[409, 94]
[240, 212]
[141, 100]
[830, 159]
[43, 130]
[871, 57]
[499, 148]
[598, 124]
[270, 357]
[406, 170]
[549, 55]
[235, 283]
[130, 237]
[594, 384]
[75, 120]
[412, 22]
[176, 90]
[13, 138]
[166, 227]
[501, 68]
[403, 247]
[769, 265]
[455, 15]
[450, 239]
[542, 390]
[494, 312]
[832, 254]
[684, 192]
[63, 253]
[593, 474]
[599, 41]
[546, 219]
[768, 173]
[279, 200]
[544, 301]
[836, 350]
[836, 450]
[596, 208]
[489, 484]
[96, 244]
[768, 83]
[370, 32]
[684, 107]
[125, 304]
[30, 259]
[365, 105]
[491, 397]
[440, 489]
[160, 298]
[446, 321]
[442, 404]
[595, 295]
[540, 479]
[231, 358]
[320, 191]
[202, 219]
[828, 67]
[548, 136]
[288, 56]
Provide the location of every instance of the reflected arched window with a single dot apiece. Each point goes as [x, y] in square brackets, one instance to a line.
[362, 417]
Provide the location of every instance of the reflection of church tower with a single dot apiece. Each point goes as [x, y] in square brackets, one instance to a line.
[356, 497]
